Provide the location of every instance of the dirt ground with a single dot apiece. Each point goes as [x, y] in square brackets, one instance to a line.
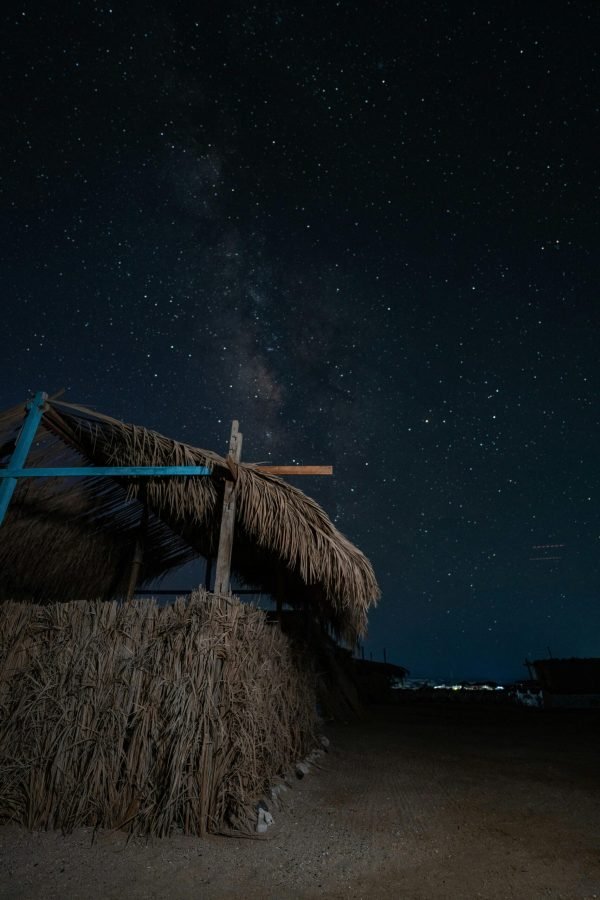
[420, 801]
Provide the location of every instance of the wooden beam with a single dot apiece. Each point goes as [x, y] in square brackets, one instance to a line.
[296, 470]
[138, 553]
[223, 568]
[136, 566]
[208, 572]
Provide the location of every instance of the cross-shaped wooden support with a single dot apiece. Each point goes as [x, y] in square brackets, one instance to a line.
[223, 569]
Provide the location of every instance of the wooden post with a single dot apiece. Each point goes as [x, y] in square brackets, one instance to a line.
[223, 569]
[279, 593]
[138, 553]
[208, 572]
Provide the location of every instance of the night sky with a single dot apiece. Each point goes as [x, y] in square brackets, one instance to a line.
[367, 230]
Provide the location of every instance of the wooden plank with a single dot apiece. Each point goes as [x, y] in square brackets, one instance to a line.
[296, 470]
[223, 567]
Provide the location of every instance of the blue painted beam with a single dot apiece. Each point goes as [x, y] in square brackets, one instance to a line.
[14, 470]
[111, 471]
[33, 417]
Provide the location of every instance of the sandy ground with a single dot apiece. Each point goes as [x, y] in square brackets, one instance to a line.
[421, 801]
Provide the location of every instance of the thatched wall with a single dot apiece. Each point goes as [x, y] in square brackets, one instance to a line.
[151, 719]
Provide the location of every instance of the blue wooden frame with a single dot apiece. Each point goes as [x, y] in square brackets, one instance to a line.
[15, 470]
[113, 471]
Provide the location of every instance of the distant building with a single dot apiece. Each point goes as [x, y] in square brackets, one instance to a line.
[571, 682]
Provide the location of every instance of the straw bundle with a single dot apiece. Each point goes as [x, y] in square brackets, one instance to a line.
[146, 718]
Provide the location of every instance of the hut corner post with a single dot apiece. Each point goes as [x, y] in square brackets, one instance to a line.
[33, 417]
[223, 568]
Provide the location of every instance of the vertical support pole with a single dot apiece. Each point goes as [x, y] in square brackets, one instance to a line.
[208, 573]
[223, 569]
[138, 553]
[33, 417]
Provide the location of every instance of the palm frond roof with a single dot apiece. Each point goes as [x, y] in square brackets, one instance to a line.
[74, 538]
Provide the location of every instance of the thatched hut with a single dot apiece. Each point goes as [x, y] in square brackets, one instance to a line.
[131, 715]
[80, 533]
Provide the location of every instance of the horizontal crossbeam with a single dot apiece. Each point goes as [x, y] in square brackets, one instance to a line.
[112, 471]
[296, 470]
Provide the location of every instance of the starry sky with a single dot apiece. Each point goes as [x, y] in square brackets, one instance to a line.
[367, 230]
